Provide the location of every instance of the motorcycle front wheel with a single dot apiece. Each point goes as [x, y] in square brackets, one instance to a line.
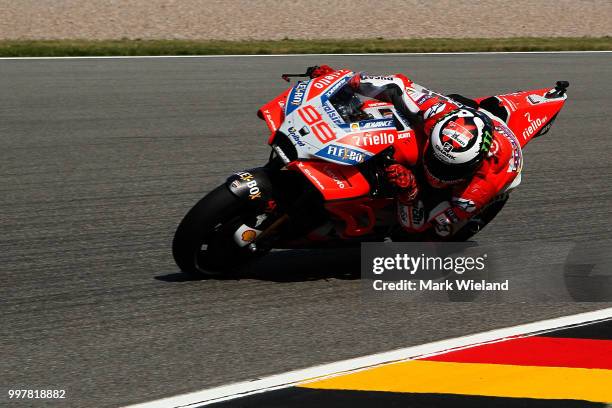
[203, 243]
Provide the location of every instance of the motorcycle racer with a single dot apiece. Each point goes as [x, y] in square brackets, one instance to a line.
[324, 182]
[468, 158]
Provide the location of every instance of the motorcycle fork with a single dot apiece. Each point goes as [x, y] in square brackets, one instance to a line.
[268, 231]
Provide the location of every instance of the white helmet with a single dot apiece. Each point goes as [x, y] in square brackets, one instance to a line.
[457, 145]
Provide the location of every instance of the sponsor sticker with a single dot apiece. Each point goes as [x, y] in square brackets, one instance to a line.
[504, 130]
[376, 124]
[434, 109]
[377, 77]
[298, 93]
[457, 134]
[368, 139]
[516, 162]
[487, 138]
[534, 124]
[340, 181]
[336, 87]
[251, 183]
[311, 176]
[444, 151]
[404, 135]
[333, 115]
[293, 134]
[326, 80]
[248, 235]
[372, 124]
[342, 154]
[281, 154]
[269, 120]
[296, 96]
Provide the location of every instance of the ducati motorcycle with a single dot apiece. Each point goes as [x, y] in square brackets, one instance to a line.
[324, 183]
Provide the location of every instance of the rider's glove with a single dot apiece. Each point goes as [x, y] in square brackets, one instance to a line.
[404, 180]
[317, 71]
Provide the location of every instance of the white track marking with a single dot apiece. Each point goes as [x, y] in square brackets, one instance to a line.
[284, 380]
[400, 54]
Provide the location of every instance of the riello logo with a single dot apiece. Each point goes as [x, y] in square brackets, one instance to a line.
[370, 139]
[324, 81]
[533, 126]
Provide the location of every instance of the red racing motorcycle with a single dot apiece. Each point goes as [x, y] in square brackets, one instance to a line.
[324, 182]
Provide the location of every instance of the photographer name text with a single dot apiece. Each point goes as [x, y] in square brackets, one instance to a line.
[432, 285]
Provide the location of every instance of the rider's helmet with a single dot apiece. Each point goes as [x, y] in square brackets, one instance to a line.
[458, 143]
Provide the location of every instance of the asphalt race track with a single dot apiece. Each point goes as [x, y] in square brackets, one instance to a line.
[101, 158]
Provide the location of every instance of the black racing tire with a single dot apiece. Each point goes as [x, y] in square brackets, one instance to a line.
[211, 223]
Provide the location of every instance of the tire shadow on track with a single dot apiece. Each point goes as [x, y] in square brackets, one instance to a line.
[290, 266]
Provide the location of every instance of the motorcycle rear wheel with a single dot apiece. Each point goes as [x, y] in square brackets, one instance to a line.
[203, 244]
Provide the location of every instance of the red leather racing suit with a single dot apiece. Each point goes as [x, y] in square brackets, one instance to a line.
[499, 173]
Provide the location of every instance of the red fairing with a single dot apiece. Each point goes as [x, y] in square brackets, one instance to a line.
[359, 215]
[273, 113]
[408, 147]
[334, 181]
[345, 191]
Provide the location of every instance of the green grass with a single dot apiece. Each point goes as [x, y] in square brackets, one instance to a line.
[53, 48]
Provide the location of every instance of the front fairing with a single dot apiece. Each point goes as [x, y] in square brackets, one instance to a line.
[318, 130]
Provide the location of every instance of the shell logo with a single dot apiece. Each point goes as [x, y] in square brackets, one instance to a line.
[248, 235]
